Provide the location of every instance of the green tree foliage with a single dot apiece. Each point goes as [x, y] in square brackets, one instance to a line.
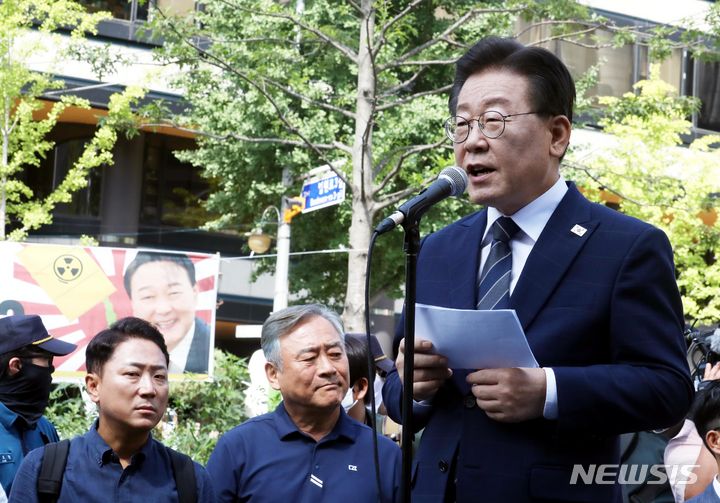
[364, 83]
[28, 30]
[198, 412]
[661, 182]
[67, 410]
[202, 411]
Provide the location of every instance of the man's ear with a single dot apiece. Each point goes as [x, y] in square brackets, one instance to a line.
[560, 130]
[92, 384]
[272, 375]
[712, 438]
[360, 389]
[14, 366]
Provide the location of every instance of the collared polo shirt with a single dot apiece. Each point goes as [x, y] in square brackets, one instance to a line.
[268, 459]
[17, 439]
[94, 474]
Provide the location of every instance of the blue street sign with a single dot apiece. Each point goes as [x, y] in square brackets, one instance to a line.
[322, 192]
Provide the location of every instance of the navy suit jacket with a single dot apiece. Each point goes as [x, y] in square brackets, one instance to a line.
[199, 355]
[603, 310]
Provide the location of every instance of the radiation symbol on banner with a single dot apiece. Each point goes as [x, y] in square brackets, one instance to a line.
[67, 268]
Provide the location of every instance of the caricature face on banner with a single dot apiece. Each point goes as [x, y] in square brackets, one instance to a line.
[79, 291]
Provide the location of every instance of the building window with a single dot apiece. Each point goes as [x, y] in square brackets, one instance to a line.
[671, 68]
[616, 64]
[176, 7]
[125, 10]
[173, 191]
[137, 10]
[85, 202]
[70, 140]
[703, 83]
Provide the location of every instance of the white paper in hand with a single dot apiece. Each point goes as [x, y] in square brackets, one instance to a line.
[474, 339]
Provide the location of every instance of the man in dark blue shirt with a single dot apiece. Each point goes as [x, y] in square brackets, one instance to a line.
[308, 450]
[26, 354]
[118, 460]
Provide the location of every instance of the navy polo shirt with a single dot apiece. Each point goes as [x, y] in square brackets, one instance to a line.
[16, 440]
[268, 459]
[94, 473]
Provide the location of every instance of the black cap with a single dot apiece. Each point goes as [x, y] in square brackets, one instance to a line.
[382, 362]
[18, 331]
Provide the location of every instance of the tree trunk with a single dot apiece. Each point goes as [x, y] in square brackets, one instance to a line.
[362, 182]
[5, 160]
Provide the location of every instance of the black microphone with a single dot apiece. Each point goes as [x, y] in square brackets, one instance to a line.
[451, 181]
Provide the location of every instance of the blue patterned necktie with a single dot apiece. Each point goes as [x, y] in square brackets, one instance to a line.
[494, 287]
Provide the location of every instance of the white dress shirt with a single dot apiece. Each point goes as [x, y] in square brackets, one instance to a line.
[179, 355]
[531, 219]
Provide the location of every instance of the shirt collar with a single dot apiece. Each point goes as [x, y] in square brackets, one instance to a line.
[103, 454]
[532, 217]
[7, 417]
[286, 427]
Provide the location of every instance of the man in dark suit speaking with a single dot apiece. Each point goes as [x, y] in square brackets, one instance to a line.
[594, 290]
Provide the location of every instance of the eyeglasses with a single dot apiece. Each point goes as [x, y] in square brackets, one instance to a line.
[491, 124]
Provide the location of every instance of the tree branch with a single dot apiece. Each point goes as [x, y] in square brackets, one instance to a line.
[292, 129]
[415, 96]
[408, 151]
[382, 40]
[373, 103]
[403, 85]
[597, 180]
[540, 24]
[347, 51]
[247, 139]
[389, 199]
[442, 36]
[302, 97]
[430, 62]
[566, 37]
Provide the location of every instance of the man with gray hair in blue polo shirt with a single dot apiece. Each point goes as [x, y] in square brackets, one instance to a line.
[308, 450]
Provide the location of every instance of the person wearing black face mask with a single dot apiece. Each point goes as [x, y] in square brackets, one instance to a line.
[26, 354]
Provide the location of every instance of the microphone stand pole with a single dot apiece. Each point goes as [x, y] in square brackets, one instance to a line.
[411, 248]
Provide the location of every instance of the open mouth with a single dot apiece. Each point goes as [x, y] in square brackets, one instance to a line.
[479, 170]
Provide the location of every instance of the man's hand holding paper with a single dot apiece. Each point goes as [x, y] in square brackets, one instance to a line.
[430, 369]
[509, 395]
[508, 386]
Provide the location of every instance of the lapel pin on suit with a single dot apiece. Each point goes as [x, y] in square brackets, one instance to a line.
[578, 230]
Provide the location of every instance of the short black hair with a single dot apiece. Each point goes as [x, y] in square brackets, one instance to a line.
[357, 355]
[102, 346]
[143, 258]
[705, 411]
[552, 89]
[24, 353]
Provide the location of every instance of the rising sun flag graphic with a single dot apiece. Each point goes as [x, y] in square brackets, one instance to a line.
[72, 279]
[79, 291]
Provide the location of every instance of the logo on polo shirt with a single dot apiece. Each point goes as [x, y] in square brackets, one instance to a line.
[6, 457]
[316, 481]
[352, 468]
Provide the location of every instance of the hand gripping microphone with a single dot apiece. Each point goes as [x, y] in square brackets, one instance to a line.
[451, 181]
